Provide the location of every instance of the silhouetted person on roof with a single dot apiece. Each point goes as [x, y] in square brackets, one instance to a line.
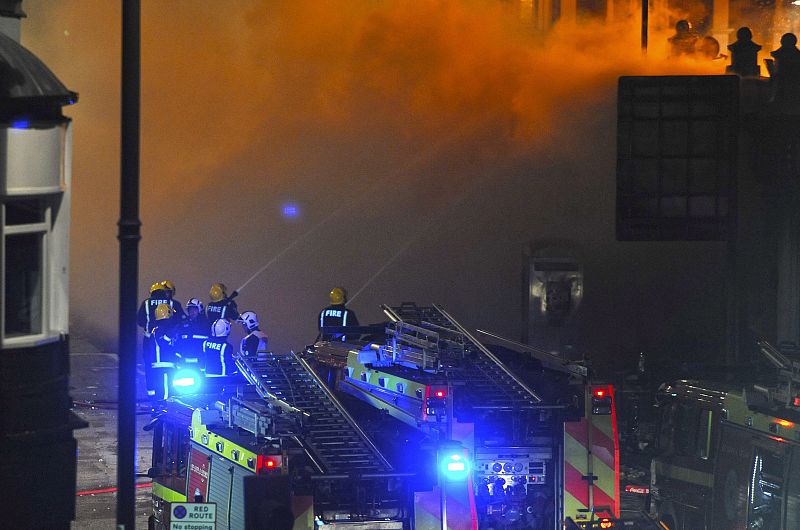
[744, 54]
[684, 40]
[785, 74]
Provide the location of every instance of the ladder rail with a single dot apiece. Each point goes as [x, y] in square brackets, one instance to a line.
[254, 379]
[346, 415]
[391, 313]
[488, 354]
[552, 359]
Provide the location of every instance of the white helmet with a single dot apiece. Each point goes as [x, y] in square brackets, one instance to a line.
[196, 303]
[249, 320]
[221, 328]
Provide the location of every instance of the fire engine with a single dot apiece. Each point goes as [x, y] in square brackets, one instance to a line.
[729, 455]
[411, 424]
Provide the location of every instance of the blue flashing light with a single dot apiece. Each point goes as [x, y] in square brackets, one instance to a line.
[290, 210]
[20, 124]
[186, 381]
[454, 466]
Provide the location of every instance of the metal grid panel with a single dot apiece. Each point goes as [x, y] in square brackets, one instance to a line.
[677, 157]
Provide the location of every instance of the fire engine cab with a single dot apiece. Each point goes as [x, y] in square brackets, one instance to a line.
[729, 455]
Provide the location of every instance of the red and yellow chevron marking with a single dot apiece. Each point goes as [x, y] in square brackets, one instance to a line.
[461, 510]
[461, 513]
[303, 509]
[600, 433]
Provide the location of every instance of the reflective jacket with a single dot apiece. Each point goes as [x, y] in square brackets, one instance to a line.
[224, 309]
[146, 317]
[218, 355]
[336, 315]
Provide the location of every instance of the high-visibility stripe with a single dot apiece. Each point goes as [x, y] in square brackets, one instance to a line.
[685, 474]
[579, 431]
[572, 507]
[578, 463]
[303, 508]
[166, 386]
[573, 477]
[344, 318]
[162, 365]
[460, 514]
[222, 358]
[169, 495]
[321, 318]
[590, 444]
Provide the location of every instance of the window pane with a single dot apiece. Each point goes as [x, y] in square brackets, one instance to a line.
[23, 284]
[24, 212]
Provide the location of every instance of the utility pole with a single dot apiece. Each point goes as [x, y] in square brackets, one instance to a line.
[129, 236]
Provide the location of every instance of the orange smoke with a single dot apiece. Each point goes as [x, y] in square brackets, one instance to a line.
[334, 104]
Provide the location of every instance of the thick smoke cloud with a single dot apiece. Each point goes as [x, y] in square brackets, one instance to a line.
[426, 141]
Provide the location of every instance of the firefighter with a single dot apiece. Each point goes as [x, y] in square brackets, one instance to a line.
[256, 340]
[160, 360]
[221, 305]
[684, 40]
[217, 351]
[169, 288]
[191, 333]
[336, 315]
[146, 319]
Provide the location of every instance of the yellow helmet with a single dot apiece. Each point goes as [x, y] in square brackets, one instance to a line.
[338, 295]
[169, 286]
[163, 311]
[217, 292]
[156, 287]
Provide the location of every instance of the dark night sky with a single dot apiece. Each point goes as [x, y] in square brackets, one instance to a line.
[429, 141]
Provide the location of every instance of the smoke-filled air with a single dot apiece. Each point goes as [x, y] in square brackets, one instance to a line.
[403, 150]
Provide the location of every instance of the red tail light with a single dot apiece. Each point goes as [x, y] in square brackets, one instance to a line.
[268, 464]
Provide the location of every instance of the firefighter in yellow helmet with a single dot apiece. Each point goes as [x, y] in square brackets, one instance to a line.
[159, 361]
[221, 305]
[336, 315]
[160, 293]
[169, 289]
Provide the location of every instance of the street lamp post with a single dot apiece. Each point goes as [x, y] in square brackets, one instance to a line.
[129, 236]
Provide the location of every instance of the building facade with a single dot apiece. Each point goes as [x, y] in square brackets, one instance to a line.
[36, 424]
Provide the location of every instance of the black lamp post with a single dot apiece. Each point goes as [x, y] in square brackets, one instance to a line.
[129, 236]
